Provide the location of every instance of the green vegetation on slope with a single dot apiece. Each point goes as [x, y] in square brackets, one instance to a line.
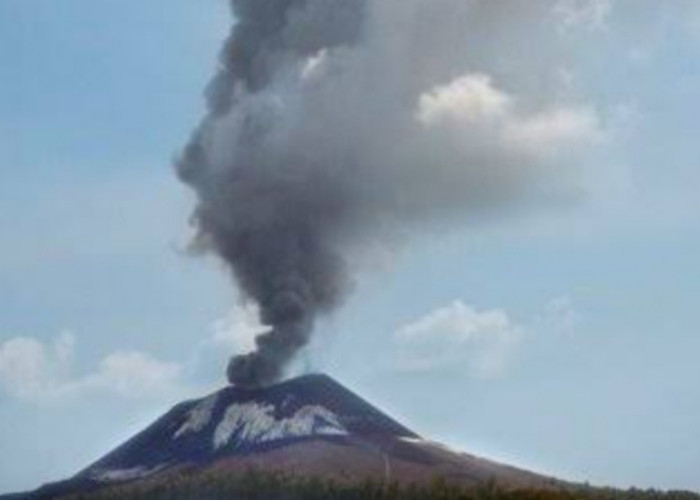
[213, 485]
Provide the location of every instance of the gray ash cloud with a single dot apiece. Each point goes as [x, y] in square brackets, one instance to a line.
[333, 122]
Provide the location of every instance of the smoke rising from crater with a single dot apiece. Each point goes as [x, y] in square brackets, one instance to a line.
[331, 122]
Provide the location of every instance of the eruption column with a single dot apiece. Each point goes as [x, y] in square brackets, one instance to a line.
[333, 125]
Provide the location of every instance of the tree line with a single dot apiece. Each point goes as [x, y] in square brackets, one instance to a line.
[256, 485]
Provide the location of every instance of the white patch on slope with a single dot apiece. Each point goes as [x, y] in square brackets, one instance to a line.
[434, 444]
[425, 442]
[198, 417]
[106, 476]
[256, 423]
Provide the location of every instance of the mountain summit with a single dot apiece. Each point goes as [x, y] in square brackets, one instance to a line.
[309, 426]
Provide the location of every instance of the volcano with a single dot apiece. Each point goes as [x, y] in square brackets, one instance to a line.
[310, 426]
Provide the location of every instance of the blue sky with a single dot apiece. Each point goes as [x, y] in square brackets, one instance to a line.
[571, 337]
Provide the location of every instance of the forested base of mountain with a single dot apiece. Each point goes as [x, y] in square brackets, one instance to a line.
[255, 485]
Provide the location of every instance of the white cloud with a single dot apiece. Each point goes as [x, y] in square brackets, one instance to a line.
[238, 329]
[39, 372]
[466, 99]
[29, 368]
[476, 121]
[556, 128]
[459, 335]
[472, 104]
[134, 374]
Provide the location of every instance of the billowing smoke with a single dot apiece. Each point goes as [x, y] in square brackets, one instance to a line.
[334, 122]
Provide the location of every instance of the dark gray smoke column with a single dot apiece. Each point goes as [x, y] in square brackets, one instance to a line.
[271, 219]
[334, 125]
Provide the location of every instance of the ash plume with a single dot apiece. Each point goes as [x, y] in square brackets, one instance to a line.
[334, 122]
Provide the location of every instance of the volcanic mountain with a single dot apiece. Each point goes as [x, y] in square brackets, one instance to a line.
[310, 426]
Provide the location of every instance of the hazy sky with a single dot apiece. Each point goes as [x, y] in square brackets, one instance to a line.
[564, 341]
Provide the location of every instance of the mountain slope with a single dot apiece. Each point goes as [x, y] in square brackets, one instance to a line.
[310, 427]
